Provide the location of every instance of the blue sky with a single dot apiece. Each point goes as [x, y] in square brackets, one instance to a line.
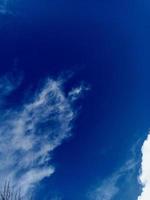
[74, 98]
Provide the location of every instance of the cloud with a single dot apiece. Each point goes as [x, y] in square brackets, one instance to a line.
[4, 7]
[76, 92]
[8, 84]
[30, 132]
[109, 188]
[145, 170]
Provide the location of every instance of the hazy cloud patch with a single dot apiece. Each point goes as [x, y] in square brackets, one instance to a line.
[109, 187]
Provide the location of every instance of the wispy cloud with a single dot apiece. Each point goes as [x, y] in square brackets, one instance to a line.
[109, 188]
[76, 92]
[8, 84]
[145, 170]
[4, 7]
[30, 132]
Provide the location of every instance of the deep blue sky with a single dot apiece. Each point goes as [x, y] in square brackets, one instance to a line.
[106, 44]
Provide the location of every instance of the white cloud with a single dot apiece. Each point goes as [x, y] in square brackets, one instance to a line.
[75, 92]
[145, 170]
[30, 132]
[109, 188]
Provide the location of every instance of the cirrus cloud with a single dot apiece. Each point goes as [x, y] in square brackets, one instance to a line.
[30, 132]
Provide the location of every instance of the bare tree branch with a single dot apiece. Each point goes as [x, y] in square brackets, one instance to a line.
[8, 193]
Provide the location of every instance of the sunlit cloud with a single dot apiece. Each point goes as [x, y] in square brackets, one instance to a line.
[145, 170]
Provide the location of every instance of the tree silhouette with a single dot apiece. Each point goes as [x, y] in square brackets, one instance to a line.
[8, 193]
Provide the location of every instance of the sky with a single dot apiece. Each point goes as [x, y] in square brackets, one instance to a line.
[75, 99]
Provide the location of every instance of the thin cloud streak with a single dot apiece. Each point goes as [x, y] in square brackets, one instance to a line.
[109, 188]
[30, 133]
